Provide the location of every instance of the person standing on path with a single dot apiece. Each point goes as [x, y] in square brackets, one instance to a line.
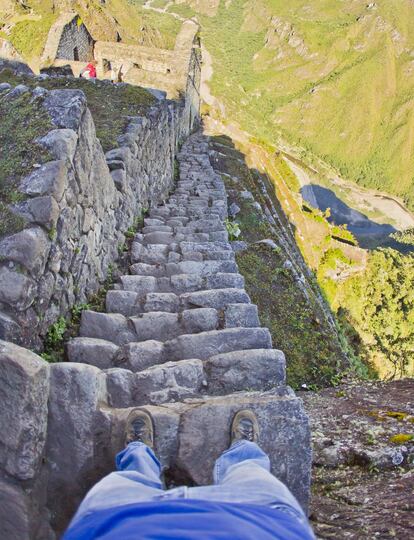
[246, 501]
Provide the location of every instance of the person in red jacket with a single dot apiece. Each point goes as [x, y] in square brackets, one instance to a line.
[246, 501]
[89, 71]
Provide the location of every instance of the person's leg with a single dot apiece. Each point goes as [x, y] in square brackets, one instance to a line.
[242, 475]
[138, 471]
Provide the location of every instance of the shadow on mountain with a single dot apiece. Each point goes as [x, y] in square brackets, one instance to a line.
[368, 233]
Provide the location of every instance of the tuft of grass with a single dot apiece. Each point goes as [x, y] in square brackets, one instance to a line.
[21, 123]
[401, 438]
[111, 105]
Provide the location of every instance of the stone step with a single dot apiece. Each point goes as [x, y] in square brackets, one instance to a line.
[208, 344]
[197, 430]
[201, 268]
[172, 381]
[178, 284]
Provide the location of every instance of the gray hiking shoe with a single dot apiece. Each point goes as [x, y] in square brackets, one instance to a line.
[244, 427]
[139, 427]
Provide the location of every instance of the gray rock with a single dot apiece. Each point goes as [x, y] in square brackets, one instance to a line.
[9, 329]
[92, 351]
[38, 92]
[49, 179]
[241, 315]
[208, 344]
[16, 290]
[172, 381]
[234, 209]
[41, 210]
[156, 325]
[167, 302]
[17, 91]
[115, 164]
[139, 356]
[224, 281]
[256, 369]
[268, 242]
[109, 326]
[120, 179]
[199, 320]
[216, 298]
[76, 392]
[239, 245]
[284, 436]
[126, 303]
[183, 283]
[15, 515]
[4, 86]
[24, 383]
[139, 284]
[30, 248]
[120, 387]
[61, 143]
[246, 195]
[66, 107]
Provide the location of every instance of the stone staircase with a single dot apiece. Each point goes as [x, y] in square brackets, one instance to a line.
[181, 336]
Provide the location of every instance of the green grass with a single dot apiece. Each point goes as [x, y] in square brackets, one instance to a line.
[21, 123]
[313, 357]
[110, 105]
[29, 37]
[181, 9]
[359, 118]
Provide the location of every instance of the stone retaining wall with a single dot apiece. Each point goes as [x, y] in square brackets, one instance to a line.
[79, 205]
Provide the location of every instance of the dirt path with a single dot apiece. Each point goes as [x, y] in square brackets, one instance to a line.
[148, 5]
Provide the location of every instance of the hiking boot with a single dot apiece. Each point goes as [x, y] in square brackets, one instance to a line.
[139, 427]
[244, 427]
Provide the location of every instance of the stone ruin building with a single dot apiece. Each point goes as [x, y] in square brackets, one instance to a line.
[70, 42]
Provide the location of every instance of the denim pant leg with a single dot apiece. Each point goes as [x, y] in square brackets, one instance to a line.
[137, 479]
[242, 475]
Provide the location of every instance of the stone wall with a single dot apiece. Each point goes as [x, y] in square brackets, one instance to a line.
[166, 70]
[76, 43]
[77, 208]
[68, 39]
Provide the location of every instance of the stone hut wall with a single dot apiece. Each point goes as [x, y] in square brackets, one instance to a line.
[75, 43]
[78, 206]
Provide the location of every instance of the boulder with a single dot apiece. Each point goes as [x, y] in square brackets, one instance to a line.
[66, 107]
[256, 369]
[92, 351]
[16, 289]
[49, 179]
[24, 384]
[74, 434]
[15, 522]
[30, 248]
[61, 143]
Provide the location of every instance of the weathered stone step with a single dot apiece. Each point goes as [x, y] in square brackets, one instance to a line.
[208, 344]
[202, 268]
[179, 284]
[284, 435]
[174, 381]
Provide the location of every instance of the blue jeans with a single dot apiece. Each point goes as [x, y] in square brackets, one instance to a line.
[241, 475]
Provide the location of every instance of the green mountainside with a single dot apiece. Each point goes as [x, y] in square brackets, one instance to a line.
[335, 77]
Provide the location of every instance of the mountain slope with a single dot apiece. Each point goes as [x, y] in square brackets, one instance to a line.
[335, 77]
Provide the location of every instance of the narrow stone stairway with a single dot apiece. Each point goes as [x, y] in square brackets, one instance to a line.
[180, 332]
